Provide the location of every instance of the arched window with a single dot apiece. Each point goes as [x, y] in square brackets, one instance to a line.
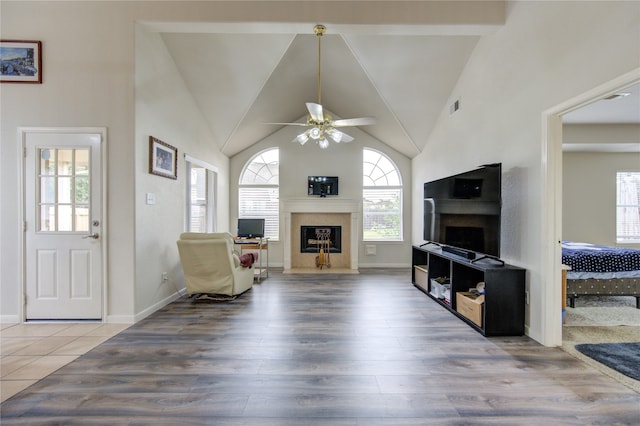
[259, 190]
[381, 198]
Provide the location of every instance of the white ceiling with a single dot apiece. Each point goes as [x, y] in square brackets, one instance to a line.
[618, 118]
[244, 76]
[240, 81]
[621, 110]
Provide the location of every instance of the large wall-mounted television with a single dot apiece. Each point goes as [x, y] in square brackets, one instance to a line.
[250, 228]
[464, 211]
[322, 185]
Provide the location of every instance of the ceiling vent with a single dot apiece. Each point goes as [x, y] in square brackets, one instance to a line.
[616, 96]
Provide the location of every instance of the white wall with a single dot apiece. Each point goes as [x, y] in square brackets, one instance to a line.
[589, 195]
[87, 81]
[166, 110]
[345, 161]
[89, 68]
[547, 52]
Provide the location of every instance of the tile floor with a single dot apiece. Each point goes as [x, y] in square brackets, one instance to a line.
[31, 352]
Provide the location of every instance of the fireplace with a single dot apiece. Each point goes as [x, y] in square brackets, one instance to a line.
[323, 212]
[311, 236]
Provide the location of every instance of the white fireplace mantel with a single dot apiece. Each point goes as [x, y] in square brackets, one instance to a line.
[321, 205]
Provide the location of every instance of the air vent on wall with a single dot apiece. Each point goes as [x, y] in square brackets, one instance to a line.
[454, 107]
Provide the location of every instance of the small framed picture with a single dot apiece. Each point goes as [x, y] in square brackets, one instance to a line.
[163, 159]
[20, 61]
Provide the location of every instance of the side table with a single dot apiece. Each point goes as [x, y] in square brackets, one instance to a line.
[261, 270]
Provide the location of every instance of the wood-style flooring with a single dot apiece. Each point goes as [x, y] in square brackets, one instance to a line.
[321, 349]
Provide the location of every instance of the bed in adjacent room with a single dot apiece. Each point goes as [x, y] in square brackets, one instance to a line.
[601, 270]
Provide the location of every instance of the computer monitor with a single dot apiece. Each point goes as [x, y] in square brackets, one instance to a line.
[250, 228]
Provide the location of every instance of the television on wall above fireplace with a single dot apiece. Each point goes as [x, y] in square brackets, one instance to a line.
[322, 185]
[464, 211]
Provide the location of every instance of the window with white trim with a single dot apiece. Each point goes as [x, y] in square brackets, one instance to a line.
[201, 195]
[381, 198]
[628, 207]
[259, 191]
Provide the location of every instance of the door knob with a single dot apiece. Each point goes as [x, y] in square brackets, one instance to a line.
[94, 236]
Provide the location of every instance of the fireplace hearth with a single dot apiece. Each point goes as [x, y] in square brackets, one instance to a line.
[310, 242]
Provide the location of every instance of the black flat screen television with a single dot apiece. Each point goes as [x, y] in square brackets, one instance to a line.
[464, 211]
[322, 185]
[250, 228]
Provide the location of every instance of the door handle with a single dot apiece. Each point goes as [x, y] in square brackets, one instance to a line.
[94, 236]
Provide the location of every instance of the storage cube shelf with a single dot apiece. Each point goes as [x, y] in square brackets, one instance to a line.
[440, 291]
[502, 313]
[470, 305]
[420, 276]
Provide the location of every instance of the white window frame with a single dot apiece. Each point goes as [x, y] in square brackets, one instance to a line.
[272, 222]
[381, 185]
[628, 209]
[211, 193]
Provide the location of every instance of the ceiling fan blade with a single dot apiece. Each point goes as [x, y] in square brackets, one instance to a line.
[362, 121]
[315, 110]
[289, 124]
[338, 136]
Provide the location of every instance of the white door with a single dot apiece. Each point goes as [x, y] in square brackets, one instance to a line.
[63, 224]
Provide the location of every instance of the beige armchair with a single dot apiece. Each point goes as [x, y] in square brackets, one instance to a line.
[211, 266]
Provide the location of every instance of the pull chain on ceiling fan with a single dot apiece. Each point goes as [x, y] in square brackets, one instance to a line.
[321, 125]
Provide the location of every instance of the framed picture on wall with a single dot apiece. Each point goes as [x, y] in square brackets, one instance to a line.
[20, 61]
[163, 159]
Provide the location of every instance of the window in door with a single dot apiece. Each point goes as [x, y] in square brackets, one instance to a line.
[628, 207]
[201, 184]
[63, 190]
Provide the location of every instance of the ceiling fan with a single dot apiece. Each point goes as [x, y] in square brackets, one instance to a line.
[320, 124]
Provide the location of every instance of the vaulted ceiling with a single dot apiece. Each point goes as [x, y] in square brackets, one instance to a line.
[245, 75]
[243, 80]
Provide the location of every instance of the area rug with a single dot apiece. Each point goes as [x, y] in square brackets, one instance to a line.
[621, 357]
[603, 316]
[603, 311]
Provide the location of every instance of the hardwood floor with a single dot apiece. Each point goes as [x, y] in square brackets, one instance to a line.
[321, 349]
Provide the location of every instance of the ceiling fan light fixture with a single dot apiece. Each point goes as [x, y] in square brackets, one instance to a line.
[302, 138]
[315, 133]
[320, 124]
[323, 143]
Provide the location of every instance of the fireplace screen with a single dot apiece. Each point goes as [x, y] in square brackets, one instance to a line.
[310, 238]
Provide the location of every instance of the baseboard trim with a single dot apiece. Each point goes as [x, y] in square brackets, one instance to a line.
[384, 265]
[157, 306]
[120, 319]
[10, 319]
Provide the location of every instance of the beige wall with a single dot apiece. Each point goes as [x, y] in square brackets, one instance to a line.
[589, 195]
